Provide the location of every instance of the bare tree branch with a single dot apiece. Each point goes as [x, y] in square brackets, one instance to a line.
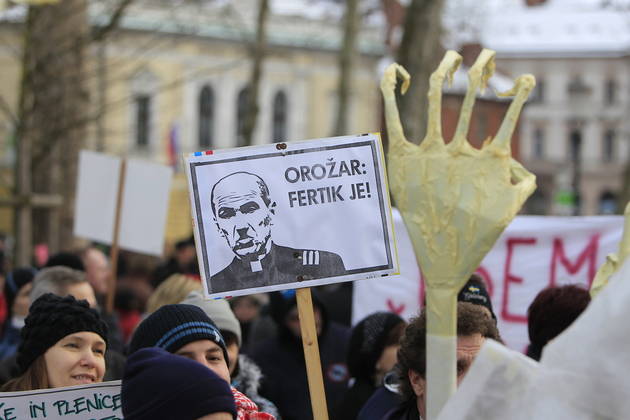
[98, 34]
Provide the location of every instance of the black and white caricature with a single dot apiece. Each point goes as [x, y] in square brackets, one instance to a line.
[245, 213]
[291, 215]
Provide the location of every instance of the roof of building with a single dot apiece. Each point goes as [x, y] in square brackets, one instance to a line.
[558, 28]
[291, 23]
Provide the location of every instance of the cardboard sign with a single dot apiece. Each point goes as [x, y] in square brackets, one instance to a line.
[291, 215]
[144, 203]
[533, 253]
[85, 402]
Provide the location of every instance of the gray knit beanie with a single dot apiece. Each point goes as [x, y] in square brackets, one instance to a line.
[219, 311]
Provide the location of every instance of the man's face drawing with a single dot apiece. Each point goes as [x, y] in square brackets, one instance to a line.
[242, 216]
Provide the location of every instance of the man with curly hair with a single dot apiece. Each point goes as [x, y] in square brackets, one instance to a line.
[474, 326]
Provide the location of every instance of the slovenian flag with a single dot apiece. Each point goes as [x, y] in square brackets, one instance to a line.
[173, 147]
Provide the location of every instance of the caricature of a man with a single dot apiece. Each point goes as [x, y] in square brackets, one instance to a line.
[243, 211]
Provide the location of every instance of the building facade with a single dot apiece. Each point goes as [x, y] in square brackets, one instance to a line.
[574, 129]
[173, 79]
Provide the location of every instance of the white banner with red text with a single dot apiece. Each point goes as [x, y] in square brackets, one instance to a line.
[534, 252]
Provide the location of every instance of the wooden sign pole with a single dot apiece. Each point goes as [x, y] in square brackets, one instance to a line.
[311, 354]
[113, 258]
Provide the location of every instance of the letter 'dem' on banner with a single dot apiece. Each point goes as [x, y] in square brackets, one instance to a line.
[291, 215]
[84, 402]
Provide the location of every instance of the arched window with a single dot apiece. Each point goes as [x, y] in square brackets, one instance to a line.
[279, 125]
[143, 85]
[241, 110]
[206, 117]
[608, 203]
[142, 104]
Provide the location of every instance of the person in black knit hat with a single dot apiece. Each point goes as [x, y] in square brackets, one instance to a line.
[193, 392]
[63, 344]
[187, 331]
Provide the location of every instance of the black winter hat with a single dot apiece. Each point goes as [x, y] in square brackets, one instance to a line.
[65, 259]
[160, 385]
[51, 318]
[367, 343]
[474, 291]
[173, 326]
[15, 280]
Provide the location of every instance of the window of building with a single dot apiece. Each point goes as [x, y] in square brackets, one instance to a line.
[537, 203]
[538, 94]
[610, 94]
[143, 85]
[608, 151]
[482, 126]
[539, 143]
[143, 119]
[206, 117]
[279, 124]
[575, 145]
[241, 109]
[577, 87]
[608, 203]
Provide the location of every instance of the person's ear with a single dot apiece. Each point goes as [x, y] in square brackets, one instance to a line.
[272, 208]
[418, 383]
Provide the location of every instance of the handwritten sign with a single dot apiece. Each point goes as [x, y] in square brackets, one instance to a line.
[291, 215]
[91, 402]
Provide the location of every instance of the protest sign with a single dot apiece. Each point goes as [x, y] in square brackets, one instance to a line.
[581, 374]
[291, 215]
[84, 402]
[532, 253]
[144, 202]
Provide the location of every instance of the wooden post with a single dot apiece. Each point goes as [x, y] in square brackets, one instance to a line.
[111, 287]
[311, 354]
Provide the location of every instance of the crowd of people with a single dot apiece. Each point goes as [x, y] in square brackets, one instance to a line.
[182, 356]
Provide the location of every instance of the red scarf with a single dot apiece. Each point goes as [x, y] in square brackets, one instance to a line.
[247, 409]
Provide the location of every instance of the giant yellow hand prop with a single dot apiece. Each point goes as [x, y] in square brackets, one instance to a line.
[455, 201]
[613, 261]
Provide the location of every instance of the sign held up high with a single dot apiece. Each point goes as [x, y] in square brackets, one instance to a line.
[291, 215]
[144, 202]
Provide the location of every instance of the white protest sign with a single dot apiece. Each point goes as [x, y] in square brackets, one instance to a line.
[84, 402]
[144, 204]
[582, 374]
[533, 253]
[291, 215]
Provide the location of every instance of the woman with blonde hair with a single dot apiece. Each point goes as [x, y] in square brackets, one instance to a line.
[63, 344]
[173, 290]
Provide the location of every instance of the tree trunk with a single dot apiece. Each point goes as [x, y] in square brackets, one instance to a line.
[53, 103]
[346, 61]
[258, 53]
[50, 127]
[419, 52]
